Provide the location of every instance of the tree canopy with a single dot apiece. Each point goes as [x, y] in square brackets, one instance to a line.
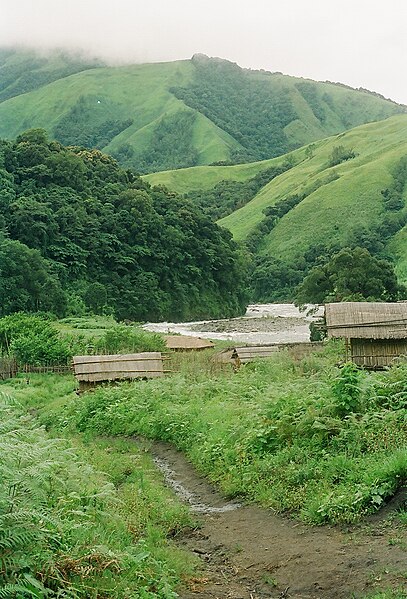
[84, 231]
[350, 275]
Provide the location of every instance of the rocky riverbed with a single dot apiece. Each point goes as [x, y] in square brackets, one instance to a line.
[262, 324]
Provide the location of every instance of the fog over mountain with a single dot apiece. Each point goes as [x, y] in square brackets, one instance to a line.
[362, 43]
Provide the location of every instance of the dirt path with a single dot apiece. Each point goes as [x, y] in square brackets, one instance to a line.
[250, 553]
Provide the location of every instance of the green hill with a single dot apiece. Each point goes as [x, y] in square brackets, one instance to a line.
[163, 116]
[314, 207]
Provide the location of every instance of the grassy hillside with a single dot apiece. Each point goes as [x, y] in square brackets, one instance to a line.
[24, 71]
[162, 116]
[338, 201]
[185, 180]
[315, 207]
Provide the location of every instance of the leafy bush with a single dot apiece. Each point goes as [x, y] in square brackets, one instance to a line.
[340, 154]
[64, 530]
[32, 340]
[352, 274]
[346, 389]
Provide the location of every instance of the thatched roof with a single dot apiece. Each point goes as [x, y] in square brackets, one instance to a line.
[183, 342]
[367, 320]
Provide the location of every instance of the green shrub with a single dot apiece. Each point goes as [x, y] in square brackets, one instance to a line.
[346, 389]
[65, 531]
[32, 340]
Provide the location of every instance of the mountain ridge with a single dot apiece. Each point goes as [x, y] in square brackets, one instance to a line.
[160, 116]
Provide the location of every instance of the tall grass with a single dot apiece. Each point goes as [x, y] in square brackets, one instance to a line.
[282, 433]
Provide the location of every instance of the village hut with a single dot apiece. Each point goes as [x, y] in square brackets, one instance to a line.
[375, 333]
[187, 343]
[90, 370]
[249, 353]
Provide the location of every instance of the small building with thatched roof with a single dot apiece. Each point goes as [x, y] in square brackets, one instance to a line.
[187, 343]
[375, 333]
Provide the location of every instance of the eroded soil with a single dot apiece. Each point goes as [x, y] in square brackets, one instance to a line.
[250, 553]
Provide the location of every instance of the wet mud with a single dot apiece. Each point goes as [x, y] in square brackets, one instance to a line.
[248, 552]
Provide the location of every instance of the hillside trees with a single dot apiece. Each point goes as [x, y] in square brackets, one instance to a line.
[350, 275]
[27, 281]
[251, 110]
[80, 225]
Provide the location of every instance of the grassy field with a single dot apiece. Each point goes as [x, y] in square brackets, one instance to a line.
[332, 441]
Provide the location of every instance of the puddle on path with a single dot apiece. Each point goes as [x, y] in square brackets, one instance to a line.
[196, 505]
[248, 552]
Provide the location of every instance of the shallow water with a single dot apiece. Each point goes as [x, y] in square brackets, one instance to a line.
[262, 324]
[194, 501]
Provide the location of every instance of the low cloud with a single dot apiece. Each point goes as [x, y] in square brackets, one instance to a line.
[359, 43]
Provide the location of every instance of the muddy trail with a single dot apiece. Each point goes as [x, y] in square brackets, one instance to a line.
[250, 553]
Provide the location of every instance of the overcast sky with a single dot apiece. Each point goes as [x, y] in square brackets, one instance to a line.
[362, 43]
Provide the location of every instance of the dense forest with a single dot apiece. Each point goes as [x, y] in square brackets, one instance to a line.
[80, 233]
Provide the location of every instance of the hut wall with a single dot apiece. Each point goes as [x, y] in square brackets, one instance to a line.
[116, 367]
[296, 350]
[377, 353]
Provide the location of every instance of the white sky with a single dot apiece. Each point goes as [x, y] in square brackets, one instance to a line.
[362, 43]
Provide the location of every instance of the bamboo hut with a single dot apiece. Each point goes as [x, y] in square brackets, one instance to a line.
[249, 353]
[90, 370]
[375, 333]
[187, 343]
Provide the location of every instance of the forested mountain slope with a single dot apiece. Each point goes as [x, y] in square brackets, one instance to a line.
[77, 232]
[163, 116]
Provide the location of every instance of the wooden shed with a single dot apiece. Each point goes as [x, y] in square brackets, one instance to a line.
[375, 333]
[96, 369]
[187, 343]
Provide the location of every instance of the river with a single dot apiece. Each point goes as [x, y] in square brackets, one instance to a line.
[262, 324]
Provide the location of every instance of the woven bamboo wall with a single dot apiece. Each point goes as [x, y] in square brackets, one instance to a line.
[377, 353]
[367, 320]
[118, 367]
